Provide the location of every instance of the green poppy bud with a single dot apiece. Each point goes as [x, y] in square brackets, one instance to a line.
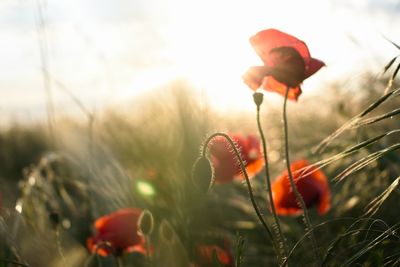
[258, 98]
[202, 174]
[146, 223]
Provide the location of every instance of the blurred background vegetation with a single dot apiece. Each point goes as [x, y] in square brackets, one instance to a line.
[53, 187]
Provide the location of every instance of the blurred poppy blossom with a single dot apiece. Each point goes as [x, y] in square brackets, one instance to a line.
[205, 255]
[117, 232]
[225, 163]
[313, 187]
[287, 63]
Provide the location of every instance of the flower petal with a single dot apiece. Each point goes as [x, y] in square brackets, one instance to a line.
[272, 85]
[254, 76]
[313, 66]
[264, 41]
[312, 184]
[118, 228]
[225, 163]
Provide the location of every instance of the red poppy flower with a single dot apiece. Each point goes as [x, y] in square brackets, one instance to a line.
[205, 255]
[225, 163]
[287, 63]
[117, 232]
[313, 188]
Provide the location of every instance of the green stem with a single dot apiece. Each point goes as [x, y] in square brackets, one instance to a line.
[299, 198]
[148, 255]
[243, 168]
[269, 188]
[59, 245]
[119, 261]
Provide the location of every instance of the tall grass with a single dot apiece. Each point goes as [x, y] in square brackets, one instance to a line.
[143, 157]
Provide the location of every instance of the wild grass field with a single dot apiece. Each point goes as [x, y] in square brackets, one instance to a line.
[139, 167]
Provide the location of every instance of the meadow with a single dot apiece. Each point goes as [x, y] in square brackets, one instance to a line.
[172, 182]
[158, 185]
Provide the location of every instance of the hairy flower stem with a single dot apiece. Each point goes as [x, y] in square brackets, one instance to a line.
[299, 198]
[278, 229]
[246, 176]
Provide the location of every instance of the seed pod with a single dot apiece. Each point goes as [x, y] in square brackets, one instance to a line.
[146, 223]
[258, 98]
[54, 218]
[202, 174]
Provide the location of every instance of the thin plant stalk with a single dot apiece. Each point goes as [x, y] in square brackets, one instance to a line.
[43, 50]
[91, 119]
[13, 262]
[148, 255]
[268, 183]
[59, 246]
[119, 261]
[299, 198]
[246, 176]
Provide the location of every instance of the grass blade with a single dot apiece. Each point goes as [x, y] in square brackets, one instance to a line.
[353, 121]
[361, 163]
[389, 65]
[378, 118]
[322, 163]
[393, 43]
[372, 244]
[395, 72]
[375, 204]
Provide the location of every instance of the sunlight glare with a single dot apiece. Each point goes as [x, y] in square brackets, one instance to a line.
[145, 188]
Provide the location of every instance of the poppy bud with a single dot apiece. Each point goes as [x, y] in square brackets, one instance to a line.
[258, 98]
[146, 223]
[54, 219]
[202, 174]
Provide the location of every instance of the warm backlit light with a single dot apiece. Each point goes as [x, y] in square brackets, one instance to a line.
[145, 188]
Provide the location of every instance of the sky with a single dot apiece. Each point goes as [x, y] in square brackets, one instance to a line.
[109, 52]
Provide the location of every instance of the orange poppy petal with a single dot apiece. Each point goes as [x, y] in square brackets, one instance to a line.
[325, 203]
[91, 244]
[272, 85]
[288, 211]
[313, 187]
[318, 176]
[138, 249]
[254, 76]
[264, 41]
[253, 168]
[96, 246]
[118, 228]
[225, 162]
[206, 254]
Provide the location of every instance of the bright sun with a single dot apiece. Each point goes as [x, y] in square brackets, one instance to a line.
[208, 44]
[209, 53]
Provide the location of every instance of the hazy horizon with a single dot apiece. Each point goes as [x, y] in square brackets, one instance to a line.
[109, 52]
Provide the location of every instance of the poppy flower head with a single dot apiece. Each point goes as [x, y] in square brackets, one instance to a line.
[117, 232]
[287, 63]
[205, 255]
[288, 66]
[312, 185]
[225, 163]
